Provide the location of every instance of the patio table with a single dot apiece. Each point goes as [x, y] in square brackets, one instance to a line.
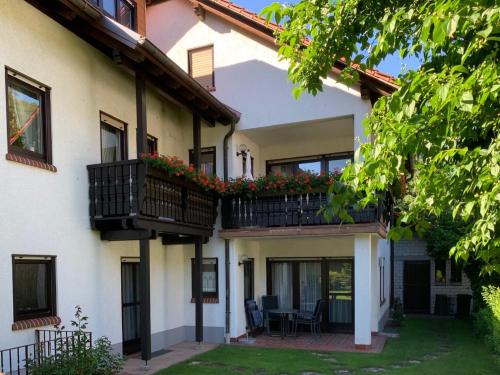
[284, 313]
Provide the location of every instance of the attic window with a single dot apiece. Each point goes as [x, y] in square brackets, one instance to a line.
[123, 11]
[201, 66]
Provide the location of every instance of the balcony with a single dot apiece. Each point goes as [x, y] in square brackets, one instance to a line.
[130, 200]
[288, 214]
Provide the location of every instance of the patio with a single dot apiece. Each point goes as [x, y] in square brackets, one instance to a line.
[327, 342]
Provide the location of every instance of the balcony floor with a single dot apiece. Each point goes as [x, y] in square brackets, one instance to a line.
[306, 231]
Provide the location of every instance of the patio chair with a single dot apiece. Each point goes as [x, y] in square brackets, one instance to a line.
[313, 320]
[270, 303]
[254, 317]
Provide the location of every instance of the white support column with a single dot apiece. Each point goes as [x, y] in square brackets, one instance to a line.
[375, 284]
[362, 289]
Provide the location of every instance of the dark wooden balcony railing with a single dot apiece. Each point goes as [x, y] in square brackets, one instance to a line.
[287, 210]
[132, 195]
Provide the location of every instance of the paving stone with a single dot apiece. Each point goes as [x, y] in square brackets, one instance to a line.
[195, 363]
[331, 360]
[310, 373]
[414, 361]
[429, 357]
[320, 354]
[342, 371]
[374, 369]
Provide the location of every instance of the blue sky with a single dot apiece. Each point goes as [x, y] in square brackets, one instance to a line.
[391, 65]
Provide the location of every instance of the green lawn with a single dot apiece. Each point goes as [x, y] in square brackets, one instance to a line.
[426, 346]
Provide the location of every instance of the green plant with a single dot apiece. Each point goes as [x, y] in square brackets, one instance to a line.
[78, 356]
[487, 319]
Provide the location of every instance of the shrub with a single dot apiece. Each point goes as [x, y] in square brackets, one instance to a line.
[487, 319]
[77, 356]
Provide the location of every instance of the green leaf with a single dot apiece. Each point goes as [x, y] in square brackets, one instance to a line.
[467, 101]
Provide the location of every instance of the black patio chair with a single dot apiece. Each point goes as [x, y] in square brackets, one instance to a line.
[270, 303]
[253, 315]
[313, 320]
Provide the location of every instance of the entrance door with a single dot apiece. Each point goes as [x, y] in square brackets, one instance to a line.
[130, 306]
[340, 295]
[416, 287]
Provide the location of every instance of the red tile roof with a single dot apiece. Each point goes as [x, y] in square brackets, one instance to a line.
[258, 21]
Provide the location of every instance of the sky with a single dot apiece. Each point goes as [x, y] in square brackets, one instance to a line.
[391, 65]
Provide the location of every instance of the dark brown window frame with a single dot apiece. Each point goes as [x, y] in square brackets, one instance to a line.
[323, 159]
[206, 150]
[206, 294]
[190, 63]
[249, 266]
[133, 5]
[152, 140]
[124, 133]
[50, 260]
[46, 157]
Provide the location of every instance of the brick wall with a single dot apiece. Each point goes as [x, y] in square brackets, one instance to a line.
[415, 249]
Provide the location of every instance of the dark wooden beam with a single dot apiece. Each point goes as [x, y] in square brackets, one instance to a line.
[142, 126]
[145, 300]
[198, 288]
[173, 239]
[196, 141]
[128, 235]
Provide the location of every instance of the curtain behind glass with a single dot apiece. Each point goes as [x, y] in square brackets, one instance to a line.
[130, 293]
[282, 284]
[31, 287]
[310, 285]
[110, 144]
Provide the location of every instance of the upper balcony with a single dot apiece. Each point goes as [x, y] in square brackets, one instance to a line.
[131, 200]
[280, 214]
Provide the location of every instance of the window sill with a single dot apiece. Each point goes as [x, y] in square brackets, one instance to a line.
[208, 300]
[35, 323]
[31, 162]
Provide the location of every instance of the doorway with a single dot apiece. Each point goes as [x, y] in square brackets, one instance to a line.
[417, 287]
[130, 306]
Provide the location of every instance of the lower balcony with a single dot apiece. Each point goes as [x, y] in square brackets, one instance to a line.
[289, 215]
[130, 200]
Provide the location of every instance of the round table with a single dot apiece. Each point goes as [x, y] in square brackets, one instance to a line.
[284, 313]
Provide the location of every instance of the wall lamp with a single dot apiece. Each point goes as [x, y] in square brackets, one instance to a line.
[243, 259]
[243, 149]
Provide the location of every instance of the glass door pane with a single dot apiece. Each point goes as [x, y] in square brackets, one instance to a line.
[310, 285]
[130, 307]
[283, 284]
[340, 292]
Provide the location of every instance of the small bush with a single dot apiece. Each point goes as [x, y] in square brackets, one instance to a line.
[487, 319]
[79, 357]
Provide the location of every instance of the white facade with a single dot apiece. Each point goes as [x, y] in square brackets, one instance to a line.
[250, 78]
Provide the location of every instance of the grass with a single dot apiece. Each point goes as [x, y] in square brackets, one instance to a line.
[440, 346]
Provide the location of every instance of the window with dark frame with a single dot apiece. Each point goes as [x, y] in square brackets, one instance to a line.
[210, 277]
[314, 164]
[248, 279]
[122, 11]
[381, 266]
[113, 139]
[207, 162]
[440, 271]
[28, 117]
[201, 66]
[455, 272]
[152, 144]
[34, 287]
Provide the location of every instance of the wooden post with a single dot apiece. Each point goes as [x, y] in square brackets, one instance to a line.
[196, 141]
[144, 268]
[198, 288]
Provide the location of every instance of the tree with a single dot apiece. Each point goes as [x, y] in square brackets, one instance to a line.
[445, 115]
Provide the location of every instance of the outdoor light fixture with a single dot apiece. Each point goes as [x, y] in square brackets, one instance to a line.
[243, 150]
[243, 259]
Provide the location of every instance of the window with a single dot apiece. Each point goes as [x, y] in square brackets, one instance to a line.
[210, 278]
[381, 267]
[207, 162]
[113, 139]
[34, 284]
[201, 66]
[248, 279]
[440, 271]
[313, 164]
[123, 11]
[28, 117]
[455, 272]
[152, 144]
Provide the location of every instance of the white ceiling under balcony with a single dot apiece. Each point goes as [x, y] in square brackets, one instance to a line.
[301, 131]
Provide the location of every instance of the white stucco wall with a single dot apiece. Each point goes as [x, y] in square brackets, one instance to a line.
[46, 213]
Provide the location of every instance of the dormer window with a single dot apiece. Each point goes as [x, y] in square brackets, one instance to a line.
[123, 11]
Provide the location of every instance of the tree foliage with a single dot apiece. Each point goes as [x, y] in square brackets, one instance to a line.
[446, 114]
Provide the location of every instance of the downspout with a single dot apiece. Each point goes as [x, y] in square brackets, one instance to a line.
[225, 148]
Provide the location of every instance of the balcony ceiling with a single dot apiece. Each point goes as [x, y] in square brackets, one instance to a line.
[299, 131]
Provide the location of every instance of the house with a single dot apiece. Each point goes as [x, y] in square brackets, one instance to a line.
[277, 245]
[90, 85]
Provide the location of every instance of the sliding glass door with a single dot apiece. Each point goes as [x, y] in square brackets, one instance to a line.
[299, 283]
